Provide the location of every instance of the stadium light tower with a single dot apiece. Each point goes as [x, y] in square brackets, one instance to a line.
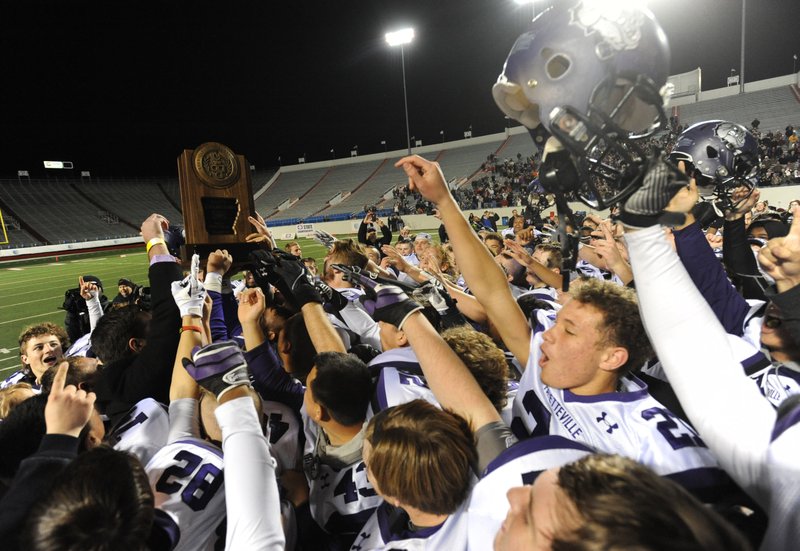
[401, 38]
[741, 56]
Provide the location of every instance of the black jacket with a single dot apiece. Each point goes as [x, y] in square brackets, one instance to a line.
[149, 373]
[384, 239]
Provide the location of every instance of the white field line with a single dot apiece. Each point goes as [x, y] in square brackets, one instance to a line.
[31, 317]
[57, 297]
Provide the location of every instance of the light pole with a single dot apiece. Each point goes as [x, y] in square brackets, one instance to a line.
[401, 38]
[741, 56]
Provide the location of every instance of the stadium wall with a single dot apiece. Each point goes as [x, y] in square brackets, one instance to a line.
[778, 197]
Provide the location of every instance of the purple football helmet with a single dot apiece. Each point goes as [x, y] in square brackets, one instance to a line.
[721, 155]
[593, 76]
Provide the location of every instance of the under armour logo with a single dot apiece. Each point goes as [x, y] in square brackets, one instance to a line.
[602, 419]
[363, 536]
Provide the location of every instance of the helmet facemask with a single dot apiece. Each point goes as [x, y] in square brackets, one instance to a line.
[593, 76]
[722, 157]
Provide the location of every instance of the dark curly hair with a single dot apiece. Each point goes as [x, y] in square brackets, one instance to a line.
[621, 324]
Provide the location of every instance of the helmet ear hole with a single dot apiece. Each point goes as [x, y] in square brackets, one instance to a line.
[557, 66]
[711, 152]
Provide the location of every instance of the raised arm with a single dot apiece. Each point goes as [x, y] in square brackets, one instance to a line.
[705, 270]
[449, 379]
[485, 278]
[724, 405]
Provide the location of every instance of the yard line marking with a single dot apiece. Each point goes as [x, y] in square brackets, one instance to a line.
[30, 317]
[57, 297]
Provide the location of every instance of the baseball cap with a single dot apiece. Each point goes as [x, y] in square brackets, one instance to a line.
[423, 235]
[125, 281]
[93, 279]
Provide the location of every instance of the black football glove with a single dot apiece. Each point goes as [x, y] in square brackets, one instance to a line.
[286, 272]
[662, 180]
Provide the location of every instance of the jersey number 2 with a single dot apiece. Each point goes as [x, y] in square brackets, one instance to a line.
[197, 481]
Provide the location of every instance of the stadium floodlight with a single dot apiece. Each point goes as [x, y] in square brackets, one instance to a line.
[401, 38]
[58, 164]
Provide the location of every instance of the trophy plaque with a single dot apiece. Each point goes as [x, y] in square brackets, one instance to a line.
[216, 199]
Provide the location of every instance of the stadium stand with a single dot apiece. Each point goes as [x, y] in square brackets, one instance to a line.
[774, 107]
[517, 144]
[130, 200]
[65, 216]
[340, 179]
[463, 162]
[288, 185]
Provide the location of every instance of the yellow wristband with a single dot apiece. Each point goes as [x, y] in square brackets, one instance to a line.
[153, 242]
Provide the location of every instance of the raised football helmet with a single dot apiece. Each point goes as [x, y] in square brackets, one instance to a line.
[721, 155]
[593, 76]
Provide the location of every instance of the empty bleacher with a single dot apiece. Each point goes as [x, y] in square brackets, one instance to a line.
[371, 191]
[521, 144]
[19, 238]
[342, 178]
[288, 185]
[775, 108]
[131, 200]
[57, 212]
[463, 162]
[172, 190]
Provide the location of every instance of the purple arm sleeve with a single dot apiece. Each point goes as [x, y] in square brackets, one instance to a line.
[269, 378]
[709, 277]
[219, 330]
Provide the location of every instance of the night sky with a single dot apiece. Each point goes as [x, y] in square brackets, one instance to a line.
[121, 88]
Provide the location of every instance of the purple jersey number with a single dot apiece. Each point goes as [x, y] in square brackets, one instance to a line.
[197, 481]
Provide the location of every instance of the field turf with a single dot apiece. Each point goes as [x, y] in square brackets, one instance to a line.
[33, 292]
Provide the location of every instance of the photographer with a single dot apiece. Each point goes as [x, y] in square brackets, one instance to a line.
[127, 292]
[368, 235]
[76, 319]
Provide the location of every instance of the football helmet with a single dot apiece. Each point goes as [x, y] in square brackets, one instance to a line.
[594, 77]
[721, 155]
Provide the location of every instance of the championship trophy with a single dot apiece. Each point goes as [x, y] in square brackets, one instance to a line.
[216, 199]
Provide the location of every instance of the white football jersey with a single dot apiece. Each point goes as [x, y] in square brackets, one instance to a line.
[341, 500]
[777, 382]
[400, 358]
[378, 532]
[142, 431]
[517, 466]
[630, 423]
[188, 484]
[284, 434]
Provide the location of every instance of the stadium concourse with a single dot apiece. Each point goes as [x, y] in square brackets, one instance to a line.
[594, 345]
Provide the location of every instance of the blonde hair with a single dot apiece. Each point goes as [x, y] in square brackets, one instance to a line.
[11, 397]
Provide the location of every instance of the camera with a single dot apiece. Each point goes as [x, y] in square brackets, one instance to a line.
[174, 237]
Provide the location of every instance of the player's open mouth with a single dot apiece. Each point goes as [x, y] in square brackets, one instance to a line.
[543, 359]
[50, 360]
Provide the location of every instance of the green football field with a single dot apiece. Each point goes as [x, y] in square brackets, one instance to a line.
[33, 292]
